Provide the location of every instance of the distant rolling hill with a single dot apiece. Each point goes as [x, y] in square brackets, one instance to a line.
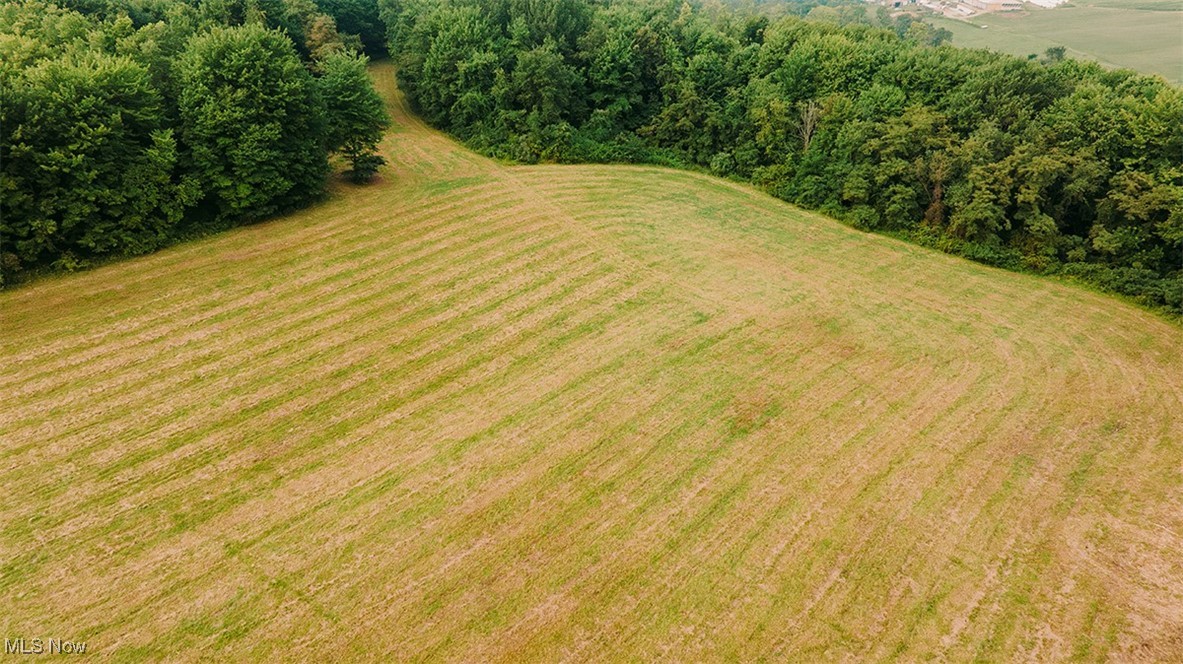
[1143, 35]
[486, 413]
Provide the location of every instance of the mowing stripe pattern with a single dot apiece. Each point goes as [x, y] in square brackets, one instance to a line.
[476, 412]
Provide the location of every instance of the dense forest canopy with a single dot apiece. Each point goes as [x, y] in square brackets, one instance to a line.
[1050, 165]
[127, 124]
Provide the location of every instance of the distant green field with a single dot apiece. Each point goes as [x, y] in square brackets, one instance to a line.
[1145, 35]
[1144, 5]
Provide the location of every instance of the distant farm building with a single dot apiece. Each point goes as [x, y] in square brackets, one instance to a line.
[995, 5]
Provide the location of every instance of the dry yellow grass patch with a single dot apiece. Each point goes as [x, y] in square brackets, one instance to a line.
[483, 413]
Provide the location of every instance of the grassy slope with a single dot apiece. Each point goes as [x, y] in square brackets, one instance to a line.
[1144, 35]
[481, 412]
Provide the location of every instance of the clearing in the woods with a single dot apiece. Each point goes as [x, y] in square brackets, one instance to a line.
[476, 412]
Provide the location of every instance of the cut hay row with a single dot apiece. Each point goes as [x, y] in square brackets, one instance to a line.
[486, 413]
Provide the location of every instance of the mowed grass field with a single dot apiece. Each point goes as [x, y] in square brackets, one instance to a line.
[1143, 35]
[485, 413]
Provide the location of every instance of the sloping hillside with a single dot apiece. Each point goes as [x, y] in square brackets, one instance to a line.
[1139, 34]
[487, 413]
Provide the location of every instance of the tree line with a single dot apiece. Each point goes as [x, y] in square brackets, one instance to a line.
[1049, 165]
[128, 124]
